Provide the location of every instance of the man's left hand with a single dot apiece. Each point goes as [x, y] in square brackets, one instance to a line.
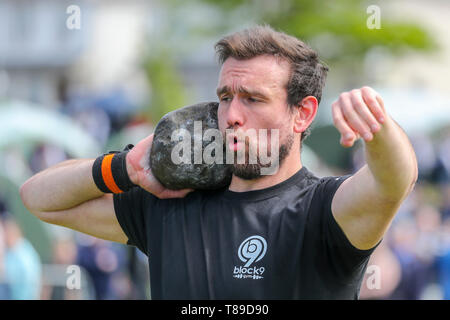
[358, 114]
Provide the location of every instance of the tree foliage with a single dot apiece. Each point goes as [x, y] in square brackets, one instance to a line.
[337, 29]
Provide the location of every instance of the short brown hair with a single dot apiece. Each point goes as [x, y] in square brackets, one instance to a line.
[308, 74]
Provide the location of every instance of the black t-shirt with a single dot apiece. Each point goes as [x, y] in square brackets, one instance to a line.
[281, 242]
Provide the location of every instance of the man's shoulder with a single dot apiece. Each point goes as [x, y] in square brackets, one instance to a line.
[331, 183]
[323, 186]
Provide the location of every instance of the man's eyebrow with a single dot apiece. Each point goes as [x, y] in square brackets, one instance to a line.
[222, 90]
[226, 89]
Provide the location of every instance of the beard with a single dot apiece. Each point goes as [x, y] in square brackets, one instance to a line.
[252, 171]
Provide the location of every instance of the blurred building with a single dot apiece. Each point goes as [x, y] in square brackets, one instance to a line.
[36, 48]
[416, 70]
[40, 51]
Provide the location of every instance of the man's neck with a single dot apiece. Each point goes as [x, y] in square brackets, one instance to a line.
[286, 170]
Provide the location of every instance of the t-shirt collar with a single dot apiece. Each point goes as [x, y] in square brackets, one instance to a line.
[300, 177]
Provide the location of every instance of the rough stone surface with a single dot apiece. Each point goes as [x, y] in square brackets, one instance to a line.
[179, 176]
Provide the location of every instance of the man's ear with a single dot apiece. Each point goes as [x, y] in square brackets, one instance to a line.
[305, 112]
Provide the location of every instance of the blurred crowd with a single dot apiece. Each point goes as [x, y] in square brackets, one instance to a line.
[107, 270]
[414, 256]
[413, 259]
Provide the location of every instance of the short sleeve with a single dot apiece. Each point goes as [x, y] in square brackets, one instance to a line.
[347, 261]
[131, 212]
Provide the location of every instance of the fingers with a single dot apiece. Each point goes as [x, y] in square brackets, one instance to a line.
[359, 113]
[352, 108]
[144, 146]
[348, 136]
[147, 140]
[152, 185]
[374, 102]
[146, 178]
[366, 115]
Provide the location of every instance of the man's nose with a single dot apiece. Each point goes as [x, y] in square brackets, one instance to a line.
[235, 116]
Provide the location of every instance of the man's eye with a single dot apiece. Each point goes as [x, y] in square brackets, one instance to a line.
[252, 99]
[225, 99]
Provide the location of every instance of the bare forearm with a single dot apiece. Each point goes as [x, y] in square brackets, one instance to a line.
[60, 187]
[392, 160]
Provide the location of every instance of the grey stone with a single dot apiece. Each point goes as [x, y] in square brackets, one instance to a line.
[187, 175]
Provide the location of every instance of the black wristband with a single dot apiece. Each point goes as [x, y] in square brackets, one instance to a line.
[119, 171]
[110, 172]
[97, 175]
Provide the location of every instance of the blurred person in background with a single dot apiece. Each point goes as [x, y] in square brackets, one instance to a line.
[22, 265]
[426, 155]
[445, 206]
[64, 253]
[404, 236]
[415, 241]
[103, 261]
[443, 260]
[441, 172]
[45, 156]
[383, 274]
[95, 121]
[4, 286]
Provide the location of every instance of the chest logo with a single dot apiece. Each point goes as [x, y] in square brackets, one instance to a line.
[251, 251]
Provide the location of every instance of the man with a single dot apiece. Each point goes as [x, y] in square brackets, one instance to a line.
[288, 235]
[21, 263]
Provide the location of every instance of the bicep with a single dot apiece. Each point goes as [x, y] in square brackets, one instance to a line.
[95, 217]
[362, 211]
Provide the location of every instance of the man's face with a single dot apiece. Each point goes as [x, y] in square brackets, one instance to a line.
[253, 95]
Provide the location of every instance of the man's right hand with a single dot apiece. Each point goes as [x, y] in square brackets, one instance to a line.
[140, 173]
